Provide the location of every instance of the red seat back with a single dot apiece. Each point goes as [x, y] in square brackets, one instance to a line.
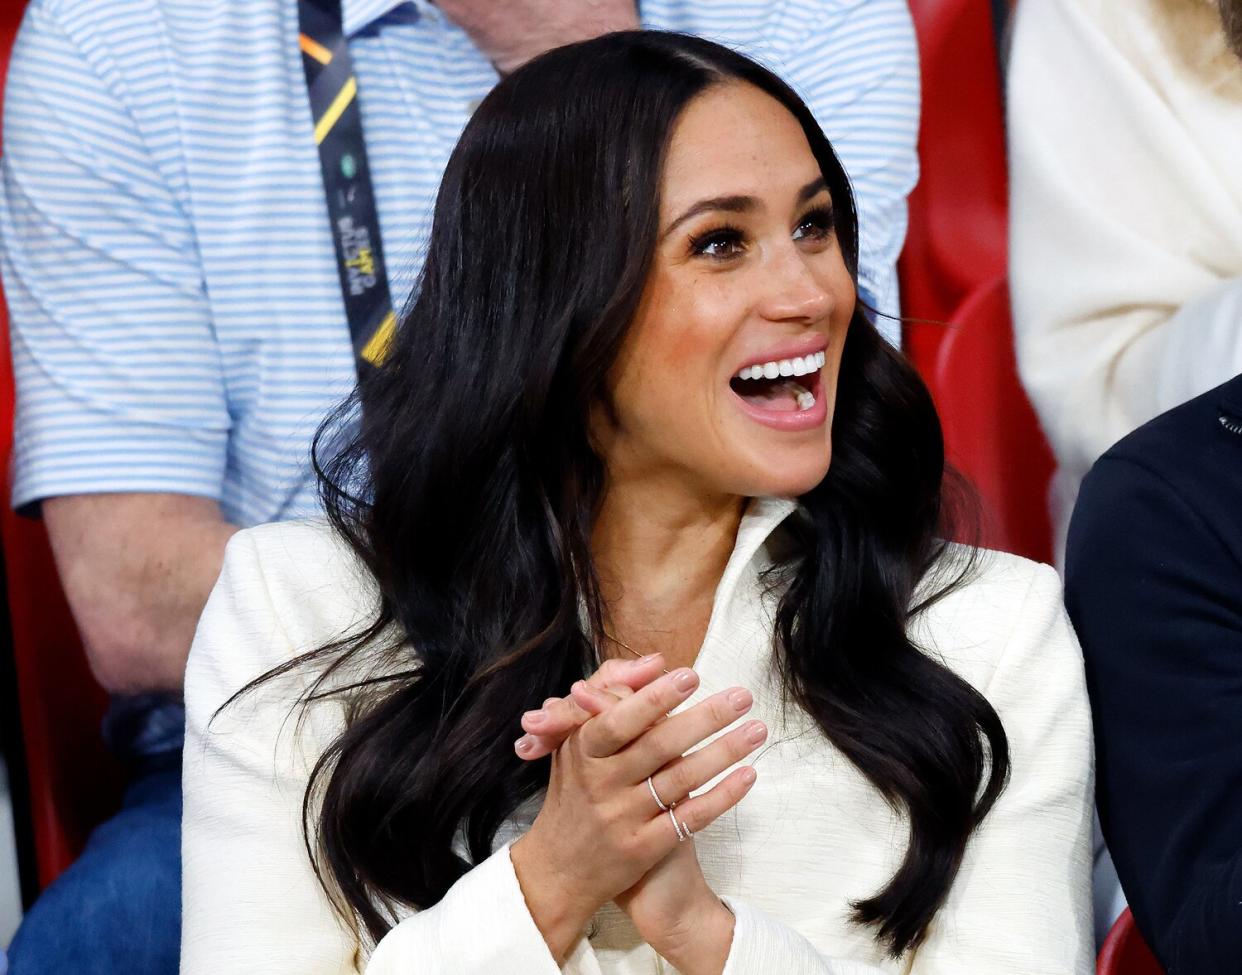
[954, 270]
[72, 780]
[1125, 952]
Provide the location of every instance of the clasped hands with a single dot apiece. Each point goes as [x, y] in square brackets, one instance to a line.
[600, 835]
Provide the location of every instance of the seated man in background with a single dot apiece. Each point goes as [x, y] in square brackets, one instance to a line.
[179, 328]
[1125, 131]
[1154, 587]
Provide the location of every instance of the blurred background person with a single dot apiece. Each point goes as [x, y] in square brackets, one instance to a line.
[1125, 132]
[178, 320]
[1125, 122]
[1154, 587]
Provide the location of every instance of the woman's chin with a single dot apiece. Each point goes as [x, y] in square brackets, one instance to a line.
[787, 474]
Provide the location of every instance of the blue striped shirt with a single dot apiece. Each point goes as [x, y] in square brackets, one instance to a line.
[177, 324]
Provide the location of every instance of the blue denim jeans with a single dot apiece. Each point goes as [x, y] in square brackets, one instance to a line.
[118, 908]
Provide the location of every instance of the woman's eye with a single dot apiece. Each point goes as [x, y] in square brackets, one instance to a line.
[816, 225]
[719, 243]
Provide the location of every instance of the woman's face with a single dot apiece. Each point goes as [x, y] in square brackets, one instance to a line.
[727, 377]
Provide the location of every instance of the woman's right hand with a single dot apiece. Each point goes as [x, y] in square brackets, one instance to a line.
[599, 831]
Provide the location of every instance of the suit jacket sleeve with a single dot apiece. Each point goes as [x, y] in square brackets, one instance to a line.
[1155, 595]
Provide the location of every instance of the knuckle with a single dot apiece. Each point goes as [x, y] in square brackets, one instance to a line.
[605, 728]
[681, 780]
[630, 844]
[608, 670]
[657, 750]
[663, 694]
[721, 711]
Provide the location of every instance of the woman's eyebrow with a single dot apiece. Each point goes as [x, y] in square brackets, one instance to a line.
[811, 188]
[738, 204]
[730, 204]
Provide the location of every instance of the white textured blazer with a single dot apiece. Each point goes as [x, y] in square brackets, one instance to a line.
[812, 835]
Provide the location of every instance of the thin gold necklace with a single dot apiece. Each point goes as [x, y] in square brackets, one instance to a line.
[626, 646]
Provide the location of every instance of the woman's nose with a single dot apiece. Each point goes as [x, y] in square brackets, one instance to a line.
[795, 293]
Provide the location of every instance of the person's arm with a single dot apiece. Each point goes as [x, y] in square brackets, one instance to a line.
[858, 71]
[1123, 238]
[1154, 594]
[121, 412]
[252, 904]
[136, 570]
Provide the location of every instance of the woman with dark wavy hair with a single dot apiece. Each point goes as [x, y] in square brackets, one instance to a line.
[638, 477]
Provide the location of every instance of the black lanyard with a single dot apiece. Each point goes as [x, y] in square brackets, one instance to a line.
[333, 92]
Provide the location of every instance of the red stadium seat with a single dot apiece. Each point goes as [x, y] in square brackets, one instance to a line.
[1125, 952]
[73, 782]
[954, 272]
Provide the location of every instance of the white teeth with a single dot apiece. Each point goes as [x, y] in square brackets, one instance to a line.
[800, 366]
[805, 400]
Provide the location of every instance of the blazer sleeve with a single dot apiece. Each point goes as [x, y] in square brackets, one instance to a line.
[1021, 903]
[252, 904]
[1155, 596]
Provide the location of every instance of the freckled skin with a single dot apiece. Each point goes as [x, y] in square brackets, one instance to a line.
[704, 315]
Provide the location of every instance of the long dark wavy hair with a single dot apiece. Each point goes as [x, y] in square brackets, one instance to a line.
[469, 487]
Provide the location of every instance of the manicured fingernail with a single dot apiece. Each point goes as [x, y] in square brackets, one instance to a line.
[523, 744]
[756, 732]
[747, 775]
[740, 699]
[685, 680]
[646, 659]
[533, 715]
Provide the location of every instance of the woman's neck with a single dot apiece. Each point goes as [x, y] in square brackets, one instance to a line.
[659, 556]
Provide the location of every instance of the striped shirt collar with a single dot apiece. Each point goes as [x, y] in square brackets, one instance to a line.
[357, 14]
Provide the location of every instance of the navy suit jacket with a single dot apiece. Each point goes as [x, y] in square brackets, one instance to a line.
[1154, 587]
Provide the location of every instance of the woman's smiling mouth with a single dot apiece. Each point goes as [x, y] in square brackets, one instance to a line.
[783, 393]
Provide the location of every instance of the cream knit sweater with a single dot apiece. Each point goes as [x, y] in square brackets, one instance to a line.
[1125, 120]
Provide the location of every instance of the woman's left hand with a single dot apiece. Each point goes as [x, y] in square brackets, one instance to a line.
[672, 906]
